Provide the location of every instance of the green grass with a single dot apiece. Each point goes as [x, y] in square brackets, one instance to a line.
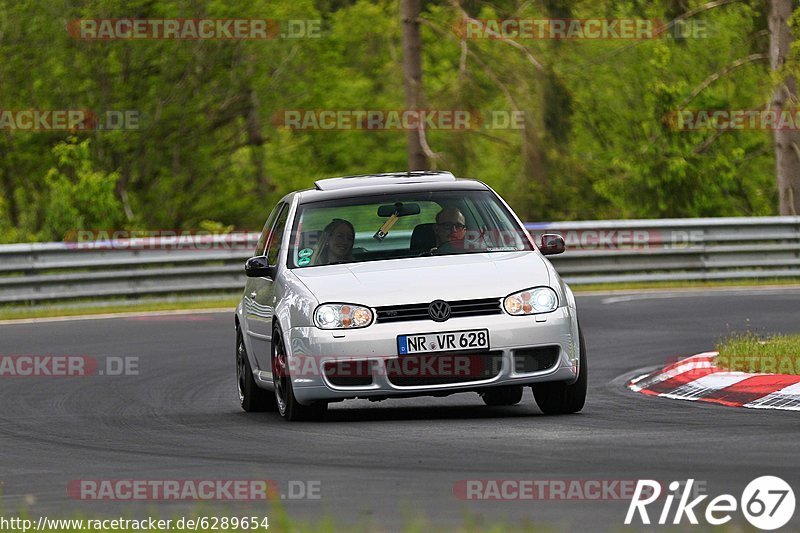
[221, 301]
[748, 352]
[98, 308]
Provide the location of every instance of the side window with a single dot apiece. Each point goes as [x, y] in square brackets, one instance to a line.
[262, 240]
[276, 238]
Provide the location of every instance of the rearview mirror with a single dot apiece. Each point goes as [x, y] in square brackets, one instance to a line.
[258, 267]
[552, 244]
[400, 209]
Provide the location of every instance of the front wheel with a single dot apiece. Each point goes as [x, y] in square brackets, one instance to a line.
[559, 398]
[252, 398]
[288, 406]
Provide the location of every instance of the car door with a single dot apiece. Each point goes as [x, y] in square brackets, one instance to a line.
[259, 294]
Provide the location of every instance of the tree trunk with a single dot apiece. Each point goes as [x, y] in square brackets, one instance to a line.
[255, 140]
[122, 189]
[412, 71]
[787, 141]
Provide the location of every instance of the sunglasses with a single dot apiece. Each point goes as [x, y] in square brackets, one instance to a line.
[451, 226]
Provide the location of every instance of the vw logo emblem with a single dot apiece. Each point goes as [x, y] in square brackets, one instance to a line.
[439, 310]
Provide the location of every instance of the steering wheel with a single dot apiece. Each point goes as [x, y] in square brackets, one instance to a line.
[446, 246]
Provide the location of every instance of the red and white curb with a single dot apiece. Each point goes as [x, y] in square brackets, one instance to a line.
[697, 379]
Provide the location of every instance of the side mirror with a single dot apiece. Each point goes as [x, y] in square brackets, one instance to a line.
[258, 267]
[552, 244]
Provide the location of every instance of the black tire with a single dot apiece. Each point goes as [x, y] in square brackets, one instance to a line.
[286, 403]
[497, 396]
[559, 397]
[252, 398]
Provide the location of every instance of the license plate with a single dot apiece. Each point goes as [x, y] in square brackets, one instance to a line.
[448, 341]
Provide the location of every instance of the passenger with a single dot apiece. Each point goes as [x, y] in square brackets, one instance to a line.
[336, 243]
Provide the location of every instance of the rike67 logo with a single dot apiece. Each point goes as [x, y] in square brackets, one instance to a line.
[767, 503]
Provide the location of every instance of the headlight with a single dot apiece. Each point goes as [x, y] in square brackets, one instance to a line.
[531, 302]
[342, 316]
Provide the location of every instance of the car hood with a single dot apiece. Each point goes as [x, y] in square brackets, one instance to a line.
[424, 279]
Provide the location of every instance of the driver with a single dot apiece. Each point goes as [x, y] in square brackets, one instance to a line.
[450, 228]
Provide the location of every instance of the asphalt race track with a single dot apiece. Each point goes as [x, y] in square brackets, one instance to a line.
[384, 463]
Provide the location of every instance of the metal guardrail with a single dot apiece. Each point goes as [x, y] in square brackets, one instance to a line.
[608, 251]
[126, 268]
[619, 251]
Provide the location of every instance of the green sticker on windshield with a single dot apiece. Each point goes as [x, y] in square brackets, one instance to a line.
[303, 261]
[306, 252]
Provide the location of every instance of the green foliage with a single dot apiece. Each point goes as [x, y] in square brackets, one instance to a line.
[209, 143]
[78, 196]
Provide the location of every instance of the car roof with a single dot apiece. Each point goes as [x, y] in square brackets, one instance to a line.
[389, 178]
[392, 182]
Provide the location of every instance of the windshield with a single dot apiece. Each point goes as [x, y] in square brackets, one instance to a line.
[394, 226]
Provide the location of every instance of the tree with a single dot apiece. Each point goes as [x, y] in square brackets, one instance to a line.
[412, 71]
[787, 141]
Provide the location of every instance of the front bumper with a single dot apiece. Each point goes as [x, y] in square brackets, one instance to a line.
[310, 348]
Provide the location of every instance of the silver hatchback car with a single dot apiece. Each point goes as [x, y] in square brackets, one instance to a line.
[402, 285]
